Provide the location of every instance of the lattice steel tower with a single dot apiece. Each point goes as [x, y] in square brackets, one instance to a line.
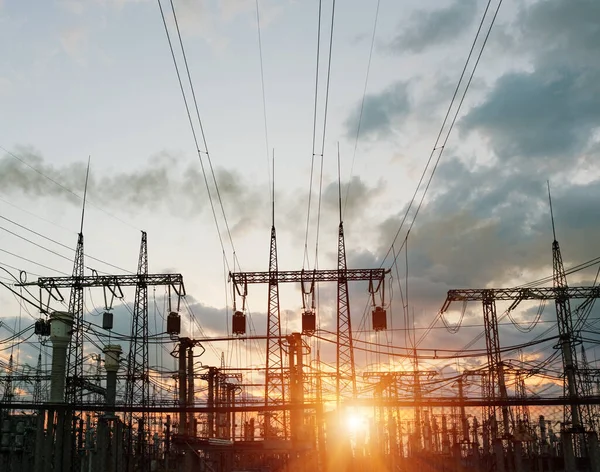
[345, 379]
[137, 387]
[573, 384]
[74, 388]
[274, 380]
[137, 384]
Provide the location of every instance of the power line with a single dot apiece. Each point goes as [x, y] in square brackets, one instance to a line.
[56, 242]
[66, 189]
[323, 138]
[33, 262]
[362, 104]
[449, 131]
[35, 244]
[37, 216]
[436, 147]
[312, 160]
[193, 129]
[264, 99]
[212, 171]
[19, 270]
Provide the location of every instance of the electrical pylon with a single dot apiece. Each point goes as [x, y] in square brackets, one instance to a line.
[573, 386]
[74, 387]
[74, 394]
[137, 387]
[274, 381]
[346, 378]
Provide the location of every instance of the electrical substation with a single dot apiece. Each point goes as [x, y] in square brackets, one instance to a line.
[115, 372]
[108, 409]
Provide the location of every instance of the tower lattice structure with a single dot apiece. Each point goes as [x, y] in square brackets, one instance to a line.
[74, 385]
[137, 387]
[274, 378]
[345, 378]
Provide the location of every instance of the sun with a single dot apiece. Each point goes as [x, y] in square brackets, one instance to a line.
[354, 422]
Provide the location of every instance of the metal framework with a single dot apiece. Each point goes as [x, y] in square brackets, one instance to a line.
[137, 386]
[574, 385]
[575, 378]
[496, 383]
[307, 276]
[74, 391]
[274, 381]
[346, 378]
[345, 381]
[51, 286]
[518, 294]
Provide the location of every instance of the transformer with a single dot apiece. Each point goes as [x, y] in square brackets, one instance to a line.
[309, 322]
[107, 320]
[238, 323]
[379, 319]
[173, 323]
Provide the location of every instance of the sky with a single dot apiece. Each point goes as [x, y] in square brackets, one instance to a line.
[95, 79]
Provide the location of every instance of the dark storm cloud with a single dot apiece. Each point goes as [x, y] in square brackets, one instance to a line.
[563, 31]
[543, 114]
[381, 112]
[493, 224]
[484, 224]
[429, 28]
[553, 110]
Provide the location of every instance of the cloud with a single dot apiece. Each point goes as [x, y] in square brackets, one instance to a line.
[552, 109]
[169, 183]
[380, 112]
[491, 226]
[566, 32]
[429, 28]
[546, 113]
[166, 181]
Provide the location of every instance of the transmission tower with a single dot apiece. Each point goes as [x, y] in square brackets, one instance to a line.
[74, 390]
[274, 382]
[573, 386]
[137, 387]
[74, 394]
[496, 368]
[345, 380]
